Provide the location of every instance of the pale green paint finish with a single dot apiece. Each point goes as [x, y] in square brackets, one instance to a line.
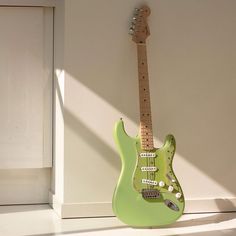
[128, 204]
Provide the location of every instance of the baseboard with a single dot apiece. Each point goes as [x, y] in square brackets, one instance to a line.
[55, 204]
[77, 210]
[104, 209]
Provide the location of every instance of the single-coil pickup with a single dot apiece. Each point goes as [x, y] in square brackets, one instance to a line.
[148, 181]
[148, 168]
[147, 154]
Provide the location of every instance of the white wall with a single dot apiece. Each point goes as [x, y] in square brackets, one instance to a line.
[57, 188]
[192, 57]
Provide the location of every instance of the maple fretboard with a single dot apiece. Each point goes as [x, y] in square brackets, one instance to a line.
[146, 133]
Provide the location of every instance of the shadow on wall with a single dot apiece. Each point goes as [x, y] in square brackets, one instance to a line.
[91, 138]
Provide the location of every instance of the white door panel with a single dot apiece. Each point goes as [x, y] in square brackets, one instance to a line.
[26, 56]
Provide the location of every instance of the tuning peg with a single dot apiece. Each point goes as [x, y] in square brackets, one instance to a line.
[136, 10]
[134, 19]
[133, 25]
[131, 31]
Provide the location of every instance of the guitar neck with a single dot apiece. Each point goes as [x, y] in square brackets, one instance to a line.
[146, 133]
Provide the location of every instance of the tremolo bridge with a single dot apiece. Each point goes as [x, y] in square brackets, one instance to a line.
[150, 193]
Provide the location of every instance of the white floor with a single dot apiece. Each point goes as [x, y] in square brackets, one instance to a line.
[42, 221]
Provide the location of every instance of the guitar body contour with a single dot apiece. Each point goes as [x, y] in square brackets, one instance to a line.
[128, 203]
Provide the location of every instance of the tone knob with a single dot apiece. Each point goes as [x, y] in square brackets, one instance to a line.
[170, 188]
[178, 195]
[161, 184]
[131, 31]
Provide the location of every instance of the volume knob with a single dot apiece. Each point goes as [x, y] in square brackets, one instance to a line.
[131, 31]
[170, 188]
[178, 195]
[161, 184]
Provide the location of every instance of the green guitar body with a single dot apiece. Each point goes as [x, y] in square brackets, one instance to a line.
[128, 203]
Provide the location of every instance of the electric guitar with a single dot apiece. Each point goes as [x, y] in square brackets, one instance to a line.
[148, 192]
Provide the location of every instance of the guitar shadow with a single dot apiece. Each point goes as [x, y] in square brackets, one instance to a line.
[216, 218]
[79, 231]
[228, 232]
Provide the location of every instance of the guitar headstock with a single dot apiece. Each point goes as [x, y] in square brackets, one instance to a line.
[139, 28]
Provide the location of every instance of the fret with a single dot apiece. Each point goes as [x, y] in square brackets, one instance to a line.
[146, 139]
[145, 114]
[149, 148]
[149, 144]
[145, 117]
[146, 132]
[147, 127]
[147, 124]
[146, 136]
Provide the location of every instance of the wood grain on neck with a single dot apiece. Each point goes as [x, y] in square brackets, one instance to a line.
[146, 133]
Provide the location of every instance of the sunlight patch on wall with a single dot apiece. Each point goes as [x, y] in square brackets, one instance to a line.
[60, 79]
